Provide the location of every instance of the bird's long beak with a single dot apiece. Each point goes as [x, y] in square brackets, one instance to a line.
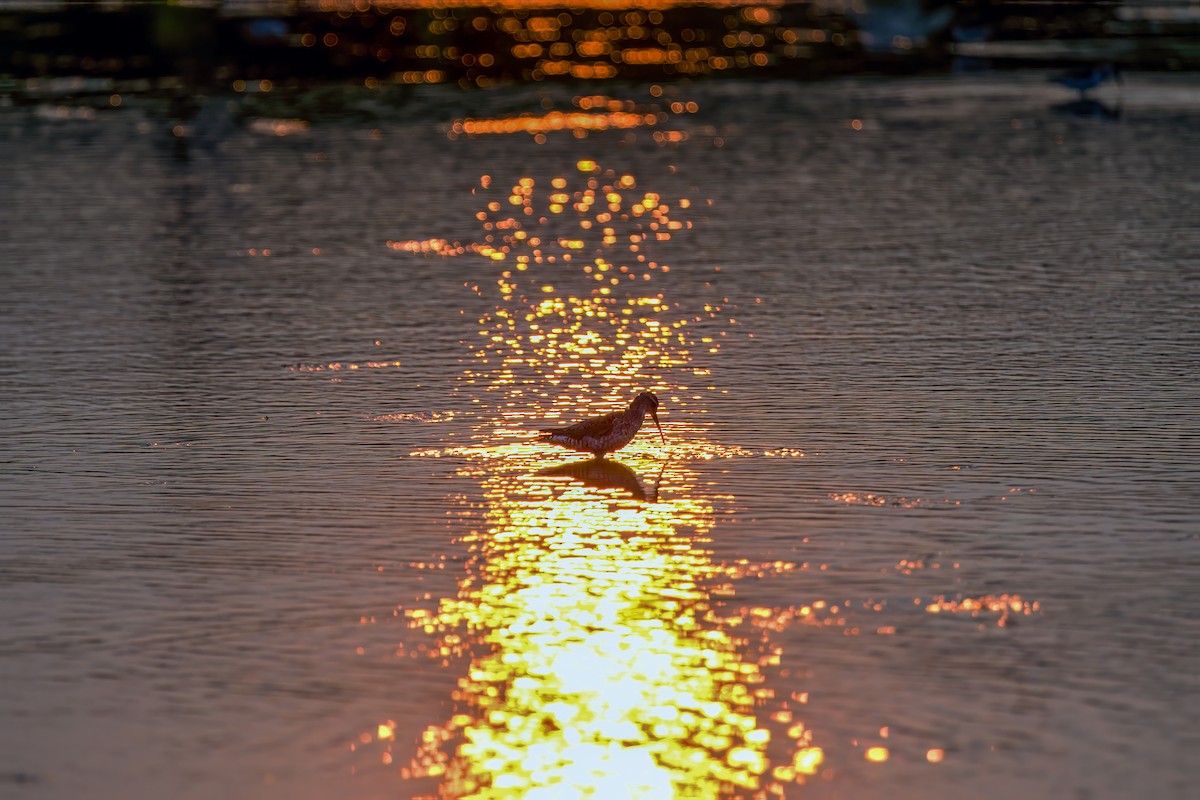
[654, 414]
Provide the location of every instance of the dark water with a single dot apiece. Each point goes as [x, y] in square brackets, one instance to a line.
[274, 524]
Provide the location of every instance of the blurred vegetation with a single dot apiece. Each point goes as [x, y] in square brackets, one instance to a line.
[250, 45]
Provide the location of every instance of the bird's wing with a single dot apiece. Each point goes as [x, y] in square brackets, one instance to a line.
[599, 427]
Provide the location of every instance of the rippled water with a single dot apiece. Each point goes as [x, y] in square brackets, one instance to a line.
[275, 524]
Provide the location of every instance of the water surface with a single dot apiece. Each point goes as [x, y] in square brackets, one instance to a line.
[275, 524]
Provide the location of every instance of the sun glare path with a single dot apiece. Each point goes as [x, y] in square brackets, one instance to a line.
[605, 654]
[598, 658]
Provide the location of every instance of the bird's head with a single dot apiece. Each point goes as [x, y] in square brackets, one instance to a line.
[646, 400]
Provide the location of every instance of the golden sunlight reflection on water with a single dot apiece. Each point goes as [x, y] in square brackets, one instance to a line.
[599, 664]
[602, 650]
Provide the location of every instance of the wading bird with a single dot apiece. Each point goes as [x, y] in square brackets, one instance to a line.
[608, 433]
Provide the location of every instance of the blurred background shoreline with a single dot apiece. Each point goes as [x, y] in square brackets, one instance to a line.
[92, 51]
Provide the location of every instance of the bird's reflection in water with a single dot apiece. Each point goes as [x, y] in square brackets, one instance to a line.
[601, 473]
[1088, 108]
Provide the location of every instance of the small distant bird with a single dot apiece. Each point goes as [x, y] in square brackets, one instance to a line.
[608, 433]
[1090, 77]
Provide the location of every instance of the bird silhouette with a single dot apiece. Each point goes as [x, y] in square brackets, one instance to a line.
[608, 433]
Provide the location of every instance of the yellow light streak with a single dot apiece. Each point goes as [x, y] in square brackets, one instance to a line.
[596, 662]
